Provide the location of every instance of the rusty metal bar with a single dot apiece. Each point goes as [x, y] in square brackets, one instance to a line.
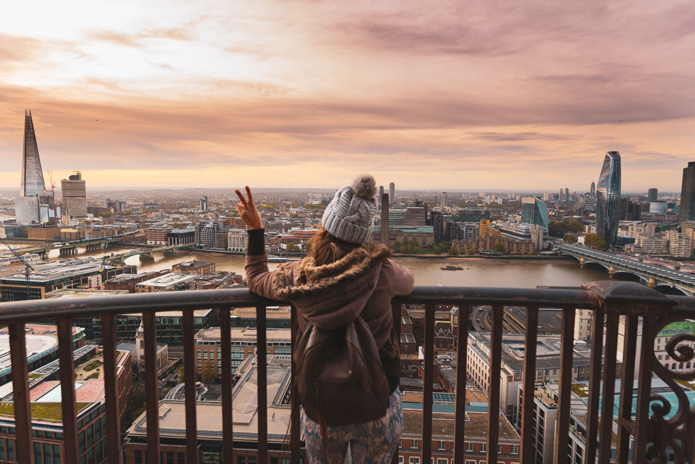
[67, 390]
[461, 380]
[24, 449]
[227, 408]
[396, 315]
[608, 389]
[294, 401]
[427, 385]
[36, 310]
[493, 425]
[529, 382]
[644, 390]
[626, 390]
[565, 387]
[151, 393]
[262, 384]
[594, 384]
[112, 392]
[190, 377]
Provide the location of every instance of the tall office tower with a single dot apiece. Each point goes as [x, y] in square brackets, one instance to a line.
[380, 198]
[392, 193]
[653, 194]
[546, 196]
[593, 188]
[384, 219]
[443, 200]
[608, 198]
[534, 211]
[688, 193]
[567, 194]
[74, 196]
[27, 205]
[204, 203]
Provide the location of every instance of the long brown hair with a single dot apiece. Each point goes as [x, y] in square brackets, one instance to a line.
[327, 249]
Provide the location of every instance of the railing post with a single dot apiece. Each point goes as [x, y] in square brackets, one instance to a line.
[190, 373]
[427, 387]
[151, 392]
[262, 384]
[22, 408]
[461, 381]
[493, 425]
[565, 387]
[227, 407]
[625, 424]
[67, 390]
[113, 417]
[294, 400]
[529, 382]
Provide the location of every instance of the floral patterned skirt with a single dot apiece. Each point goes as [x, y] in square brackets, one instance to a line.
[370, 443]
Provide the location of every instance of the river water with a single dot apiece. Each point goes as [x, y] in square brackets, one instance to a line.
[477, 272]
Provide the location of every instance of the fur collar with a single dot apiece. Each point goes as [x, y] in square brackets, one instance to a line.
[312, 279]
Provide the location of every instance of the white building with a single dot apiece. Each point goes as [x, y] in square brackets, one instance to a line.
[238, 240]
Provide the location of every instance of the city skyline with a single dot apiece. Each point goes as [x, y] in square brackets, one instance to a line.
[278, 94]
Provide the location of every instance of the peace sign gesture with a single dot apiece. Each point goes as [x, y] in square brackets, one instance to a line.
[247, 210]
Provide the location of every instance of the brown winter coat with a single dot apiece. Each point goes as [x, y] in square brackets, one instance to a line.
[363, 282]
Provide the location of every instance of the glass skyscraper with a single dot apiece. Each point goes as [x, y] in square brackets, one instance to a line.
[608, 198]
[534, 211]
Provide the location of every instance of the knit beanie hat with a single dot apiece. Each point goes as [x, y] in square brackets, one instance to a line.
[350, 214]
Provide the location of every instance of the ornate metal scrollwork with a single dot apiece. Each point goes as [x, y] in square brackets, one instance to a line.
[677, 432]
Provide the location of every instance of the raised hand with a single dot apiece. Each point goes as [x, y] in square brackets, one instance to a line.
[247, 210]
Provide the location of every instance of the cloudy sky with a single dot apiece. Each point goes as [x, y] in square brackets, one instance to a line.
[297, 93]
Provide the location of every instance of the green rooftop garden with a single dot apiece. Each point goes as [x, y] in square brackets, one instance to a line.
[41, 411]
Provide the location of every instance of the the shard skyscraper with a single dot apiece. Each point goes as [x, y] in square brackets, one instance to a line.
[33, 188]
[608, 198]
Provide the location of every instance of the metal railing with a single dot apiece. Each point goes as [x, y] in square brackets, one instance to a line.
[653, 436]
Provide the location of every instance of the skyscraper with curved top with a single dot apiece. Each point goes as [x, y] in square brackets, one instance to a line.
[608, 198]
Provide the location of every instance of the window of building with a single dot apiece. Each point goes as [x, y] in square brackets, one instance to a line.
[515, 449]
[469, 447]
[413, 460]
[442, 445]
[413, 444]
[483, 448]
[442, 461]
[400, 459]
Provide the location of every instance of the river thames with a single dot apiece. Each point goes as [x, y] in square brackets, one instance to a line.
[477, 272]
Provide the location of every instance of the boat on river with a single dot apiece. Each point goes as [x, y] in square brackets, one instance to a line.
[450, 267]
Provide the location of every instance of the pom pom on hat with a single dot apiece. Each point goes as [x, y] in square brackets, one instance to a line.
[364, 186]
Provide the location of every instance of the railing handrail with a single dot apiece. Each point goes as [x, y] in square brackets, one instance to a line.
[100, 305]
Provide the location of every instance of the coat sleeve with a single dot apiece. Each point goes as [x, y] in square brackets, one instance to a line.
[262, 281]
[402, 280]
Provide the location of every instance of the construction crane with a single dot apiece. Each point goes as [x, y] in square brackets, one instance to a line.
[27, 267]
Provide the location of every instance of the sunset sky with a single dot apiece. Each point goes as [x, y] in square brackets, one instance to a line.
[287, 93]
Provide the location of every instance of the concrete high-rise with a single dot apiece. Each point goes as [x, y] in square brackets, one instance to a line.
[33, 198]
[653, 194]
[380, 198]
[534, 211]
[74, 191]
[608, 198]
[688, 193]
[392, 193]
[444, 199]
[593, 188]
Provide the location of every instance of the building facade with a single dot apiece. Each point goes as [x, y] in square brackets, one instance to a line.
[688, 193]
[74, 191]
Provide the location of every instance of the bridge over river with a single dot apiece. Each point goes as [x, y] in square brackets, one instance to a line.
[660, 277]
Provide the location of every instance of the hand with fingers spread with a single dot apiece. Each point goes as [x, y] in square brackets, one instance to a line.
[247, 210]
